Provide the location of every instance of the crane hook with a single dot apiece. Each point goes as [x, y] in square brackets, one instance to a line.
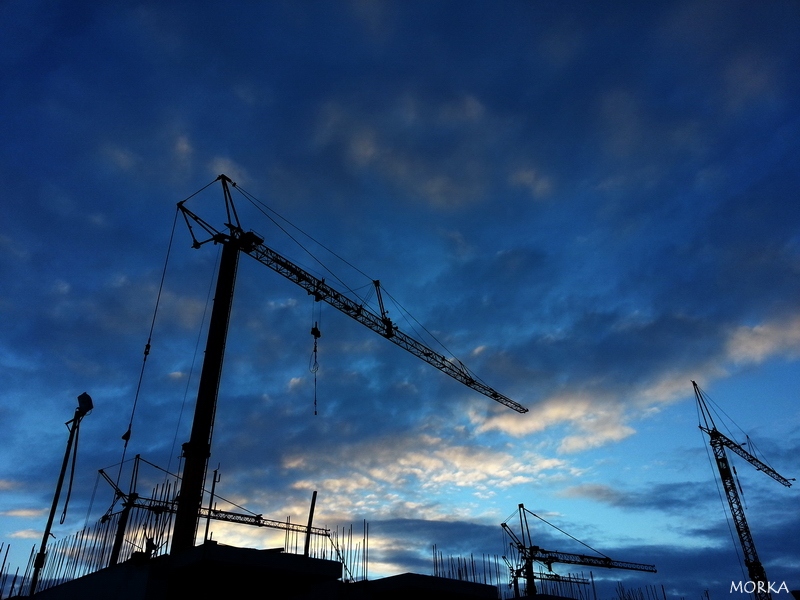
[313, 365]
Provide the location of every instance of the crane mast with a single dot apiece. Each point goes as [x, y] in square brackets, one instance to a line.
[718, 442]
[197, 450]
[235, 241]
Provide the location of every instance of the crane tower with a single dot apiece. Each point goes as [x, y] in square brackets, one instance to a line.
[718, 442]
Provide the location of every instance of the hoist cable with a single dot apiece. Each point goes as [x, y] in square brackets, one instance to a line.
[313, 363]
[315, 385]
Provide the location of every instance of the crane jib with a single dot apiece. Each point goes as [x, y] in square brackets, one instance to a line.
[723, 440]
[323, 292]
[252, 244]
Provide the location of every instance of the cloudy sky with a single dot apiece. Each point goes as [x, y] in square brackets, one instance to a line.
[589, 206]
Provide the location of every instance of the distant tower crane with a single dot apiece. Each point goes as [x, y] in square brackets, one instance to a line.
[719, 442]
[198, 450]
[527, 554]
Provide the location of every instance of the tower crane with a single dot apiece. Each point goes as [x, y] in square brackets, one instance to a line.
[527, 554]
[235, 241]
[718, 442]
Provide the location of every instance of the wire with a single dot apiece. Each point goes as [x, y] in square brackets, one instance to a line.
[127, 435]
[719, 412]
[407, 314]
[754, 450]
[569, 536]
[77, 426]
[91, 501]
[194, 360]
[264, 209]
[178, 477]
[313, 364]
[206, 186]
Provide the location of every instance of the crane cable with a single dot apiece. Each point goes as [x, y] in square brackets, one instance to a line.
[264, 209]
[190, 374]
[127, 435]
[569, 536]
[77, 428]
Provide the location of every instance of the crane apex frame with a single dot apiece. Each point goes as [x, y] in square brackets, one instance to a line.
[198, 450]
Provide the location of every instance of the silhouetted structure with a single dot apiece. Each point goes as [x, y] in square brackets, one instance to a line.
[164, 526]
[718, 442]
[215, 571]
[524, 554]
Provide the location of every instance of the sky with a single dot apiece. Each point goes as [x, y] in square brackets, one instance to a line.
[589, 204]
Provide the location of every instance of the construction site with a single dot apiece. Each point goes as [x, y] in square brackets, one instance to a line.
[155, 541]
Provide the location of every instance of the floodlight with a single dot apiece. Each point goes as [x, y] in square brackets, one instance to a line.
[85, 403]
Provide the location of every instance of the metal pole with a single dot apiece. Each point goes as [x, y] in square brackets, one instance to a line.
[310, 520]
[128, 504]
[84, 406]
[214, 482]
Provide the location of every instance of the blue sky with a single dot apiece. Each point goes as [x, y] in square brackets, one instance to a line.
[589, 206]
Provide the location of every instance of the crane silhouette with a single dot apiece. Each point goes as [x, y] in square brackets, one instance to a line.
[236, 241]
[719, 441]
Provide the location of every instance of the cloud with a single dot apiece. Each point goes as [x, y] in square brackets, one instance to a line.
[757, 343]
[121, 158]
[26, 534]
[673, 498]
[25, 512]
[750, 80]
[598, 421]
[422, 470]
[599, 492]
[537, 184]
[376, 17]
[368, 142]
[593, 219]
[223, 165]
[183, 148]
